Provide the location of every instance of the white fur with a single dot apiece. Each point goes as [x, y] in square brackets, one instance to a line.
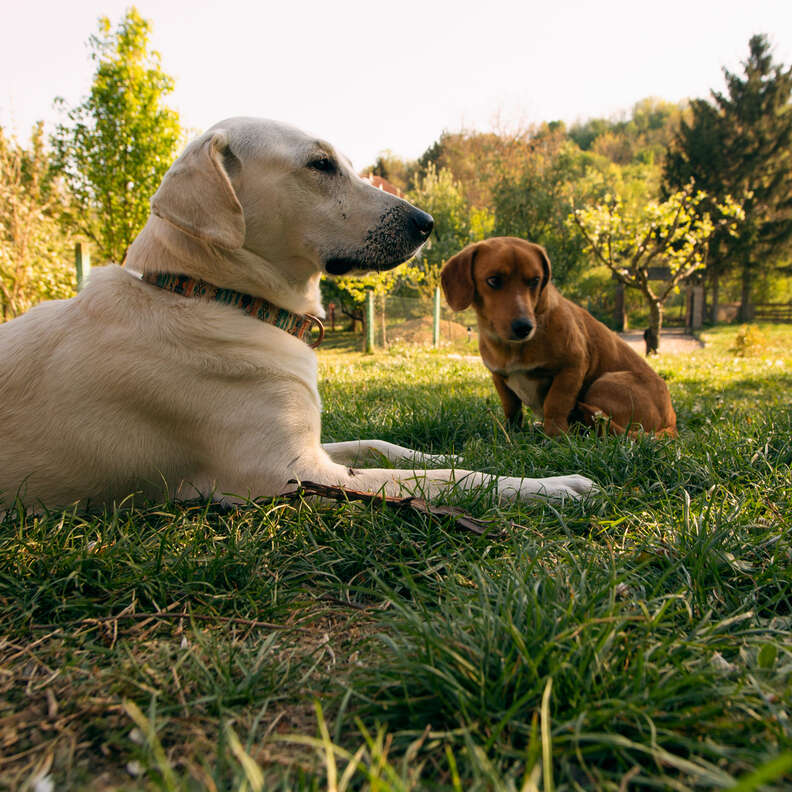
[128, 388]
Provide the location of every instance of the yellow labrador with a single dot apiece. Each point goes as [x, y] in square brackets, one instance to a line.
[136, 385]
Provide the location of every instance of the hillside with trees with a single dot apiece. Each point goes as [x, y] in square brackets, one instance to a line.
[93, 179]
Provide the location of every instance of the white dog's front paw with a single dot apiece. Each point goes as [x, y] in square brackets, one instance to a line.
[551, 488]
[572, 487]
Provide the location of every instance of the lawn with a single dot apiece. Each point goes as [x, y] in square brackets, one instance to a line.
[640, 640]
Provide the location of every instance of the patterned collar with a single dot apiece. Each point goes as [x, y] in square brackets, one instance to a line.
[295, 324]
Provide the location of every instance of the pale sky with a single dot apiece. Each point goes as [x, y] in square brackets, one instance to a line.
[372, 75]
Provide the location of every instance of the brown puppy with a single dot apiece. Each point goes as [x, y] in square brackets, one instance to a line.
[546, 351]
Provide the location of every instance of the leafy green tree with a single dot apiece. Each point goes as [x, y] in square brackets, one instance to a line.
[673, 233]
[643, 137]
[439, 194]
[535, 202]
[394, 169]
[35, 254]
[120, 140]
[476, 160]
[740, 144]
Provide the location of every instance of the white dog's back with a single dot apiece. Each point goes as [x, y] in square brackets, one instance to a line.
[134, 387]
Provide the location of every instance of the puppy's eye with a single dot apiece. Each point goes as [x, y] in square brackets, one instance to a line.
[495, 281]
[322, 163]
[534, 282]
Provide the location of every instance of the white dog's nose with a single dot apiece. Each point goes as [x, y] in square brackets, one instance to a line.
[423, 223]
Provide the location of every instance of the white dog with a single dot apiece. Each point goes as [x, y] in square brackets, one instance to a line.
[152, 380]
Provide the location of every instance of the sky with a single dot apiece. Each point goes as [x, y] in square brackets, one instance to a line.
[371, 76]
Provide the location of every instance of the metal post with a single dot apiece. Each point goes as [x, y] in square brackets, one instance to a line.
[369, 321]
[436, 327]
[82, 263]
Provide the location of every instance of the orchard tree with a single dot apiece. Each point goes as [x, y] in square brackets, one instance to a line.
[354, 289]
[740, 144]
[673, 234]
[118, 143]
[35, 254]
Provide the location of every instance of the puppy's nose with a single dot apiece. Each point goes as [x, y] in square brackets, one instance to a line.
[422, 222]
[521, 327]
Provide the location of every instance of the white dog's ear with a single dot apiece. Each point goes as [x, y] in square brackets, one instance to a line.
[197, 197]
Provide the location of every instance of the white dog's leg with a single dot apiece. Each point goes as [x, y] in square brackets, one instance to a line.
[354, 452]
[438, 483]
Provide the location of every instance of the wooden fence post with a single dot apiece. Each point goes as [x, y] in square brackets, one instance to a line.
[82, 263]
[436, 324]
[369, 321]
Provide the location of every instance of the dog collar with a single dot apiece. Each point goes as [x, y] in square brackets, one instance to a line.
[295, 324]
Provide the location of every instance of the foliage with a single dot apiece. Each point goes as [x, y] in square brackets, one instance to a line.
[740, 144]
[749, 341]
[36, 258]
[118, 143]
[534, 202]
[476, 160]
[394, 169]
[674, 233]
[380, 283]
[438, 193]
[643, 137]
[184, 646]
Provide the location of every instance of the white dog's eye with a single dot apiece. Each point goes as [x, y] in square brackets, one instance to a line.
[322, 163]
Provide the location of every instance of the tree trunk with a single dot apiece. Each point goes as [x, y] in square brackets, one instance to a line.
[715, 292]
[655, 322]
[619, 313]
[746, 305]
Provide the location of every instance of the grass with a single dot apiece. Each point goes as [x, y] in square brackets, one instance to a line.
[638, 641]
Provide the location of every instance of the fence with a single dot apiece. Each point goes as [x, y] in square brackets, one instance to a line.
[773, 312]
[392, 320]
[389, 320]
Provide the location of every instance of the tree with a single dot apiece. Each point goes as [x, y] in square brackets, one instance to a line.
[120, 140]
[534, 202]
[740, 144]
[643, 137]
[673, 233]
[394, 169]
[35, 255]
[439, 194]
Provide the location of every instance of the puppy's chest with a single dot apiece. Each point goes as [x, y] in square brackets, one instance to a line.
[529, 383]
[531, 386]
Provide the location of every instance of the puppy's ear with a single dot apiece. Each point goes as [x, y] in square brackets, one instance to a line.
[548, 270]
[197, 197]
[457, 279]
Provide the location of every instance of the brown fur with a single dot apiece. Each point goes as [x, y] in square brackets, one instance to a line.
[568, 366]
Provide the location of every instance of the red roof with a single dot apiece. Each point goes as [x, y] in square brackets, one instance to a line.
[382, 184]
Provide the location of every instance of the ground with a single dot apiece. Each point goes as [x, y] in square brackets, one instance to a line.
[639, 639]
[673, 341]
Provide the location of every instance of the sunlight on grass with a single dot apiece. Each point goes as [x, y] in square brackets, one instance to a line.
[638, 640]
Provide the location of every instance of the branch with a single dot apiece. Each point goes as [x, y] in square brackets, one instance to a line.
[594, 248]
[461, 519]
[637, 255]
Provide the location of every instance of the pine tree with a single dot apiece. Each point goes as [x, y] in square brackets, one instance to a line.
[739, 144]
